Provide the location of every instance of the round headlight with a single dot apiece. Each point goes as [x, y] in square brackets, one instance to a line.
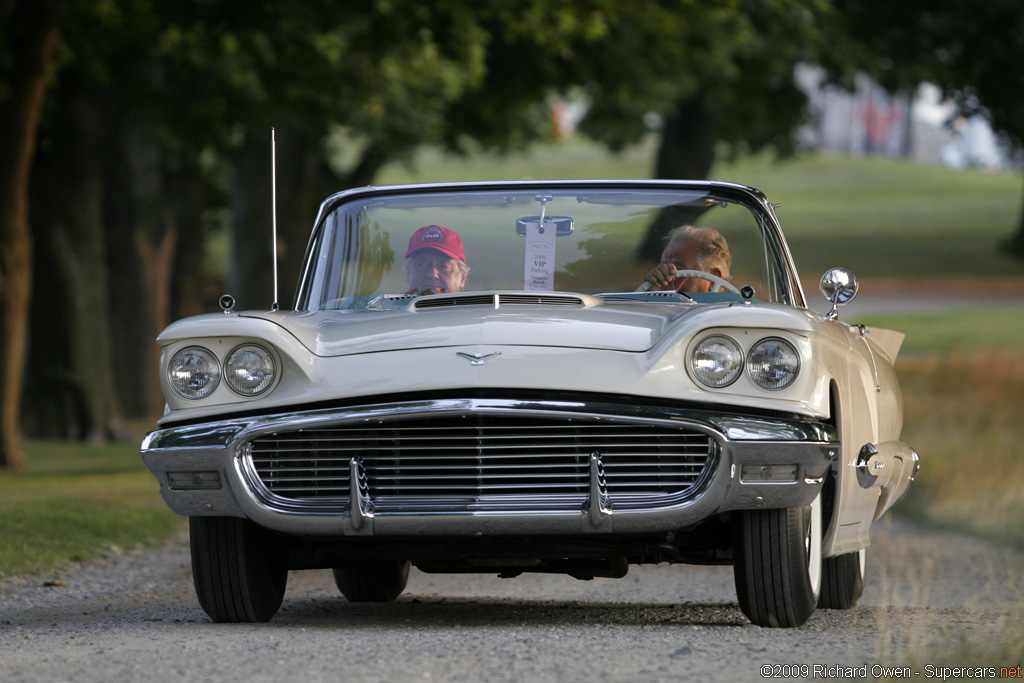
[250, 370]
[193, 372]
[716, 361]
[773, 364]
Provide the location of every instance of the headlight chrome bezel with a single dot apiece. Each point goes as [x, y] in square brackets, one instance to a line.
[787, 368]
[772, 363]
[702, 353]
[180, 375]
[269, 370]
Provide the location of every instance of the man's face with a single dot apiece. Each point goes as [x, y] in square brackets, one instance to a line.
[432, 272]
[684, 256]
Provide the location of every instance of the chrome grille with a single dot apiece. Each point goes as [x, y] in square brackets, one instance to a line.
[473, 456]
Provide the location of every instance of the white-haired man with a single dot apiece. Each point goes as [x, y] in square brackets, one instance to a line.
[691, 248]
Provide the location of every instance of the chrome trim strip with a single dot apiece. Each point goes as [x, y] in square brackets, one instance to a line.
[733, 427]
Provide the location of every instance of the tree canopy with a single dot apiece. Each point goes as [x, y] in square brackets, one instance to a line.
[973, 51]
[155, 133]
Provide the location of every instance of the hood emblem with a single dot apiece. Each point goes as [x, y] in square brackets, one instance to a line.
[476, 358]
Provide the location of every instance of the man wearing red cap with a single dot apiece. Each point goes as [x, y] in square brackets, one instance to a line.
[436, 261]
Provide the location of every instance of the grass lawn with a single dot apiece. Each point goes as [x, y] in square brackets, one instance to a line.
[78, 501]
[961, 329]
[889, 218]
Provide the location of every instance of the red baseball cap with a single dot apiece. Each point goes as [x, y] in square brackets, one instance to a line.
[436, 237]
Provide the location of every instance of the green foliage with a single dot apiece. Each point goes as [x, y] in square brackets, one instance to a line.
[656, 53]
[734, 57]
[967, 48]
[210, 74]
[189, 89]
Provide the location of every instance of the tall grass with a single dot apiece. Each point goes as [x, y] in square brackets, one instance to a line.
[963, 415]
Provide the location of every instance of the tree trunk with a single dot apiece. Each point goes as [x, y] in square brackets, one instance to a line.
[687, 149]
[370, 163]
[155, 260]
[687, 152]
[31, 36]
[300, 172]
[300, 190]
[143, 251]
[250, 263]
[156, 255]
[193, 290]
[71, 393]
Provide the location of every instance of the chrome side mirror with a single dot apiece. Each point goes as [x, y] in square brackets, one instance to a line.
[838, 286]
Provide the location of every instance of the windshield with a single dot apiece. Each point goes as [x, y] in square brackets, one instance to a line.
[374, 251]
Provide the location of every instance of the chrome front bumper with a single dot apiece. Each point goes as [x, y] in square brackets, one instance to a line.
[759, 462]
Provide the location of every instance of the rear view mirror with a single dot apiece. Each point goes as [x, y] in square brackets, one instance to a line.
[563, 224]
[838, 286]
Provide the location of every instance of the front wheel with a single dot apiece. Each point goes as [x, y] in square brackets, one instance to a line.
[842, 580]
[236, 569]
[777, 564]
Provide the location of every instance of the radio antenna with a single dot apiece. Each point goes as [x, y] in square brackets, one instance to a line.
[273, 209]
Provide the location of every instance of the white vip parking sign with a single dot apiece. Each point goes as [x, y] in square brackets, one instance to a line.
[539, 270]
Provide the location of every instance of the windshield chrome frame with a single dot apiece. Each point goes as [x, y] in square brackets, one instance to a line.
[749, 197]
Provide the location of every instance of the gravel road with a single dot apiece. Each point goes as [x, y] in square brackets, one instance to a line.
[134, 617]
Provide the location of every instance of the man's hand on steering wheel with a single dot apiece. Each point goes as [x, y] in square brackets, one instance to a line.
[663, 274]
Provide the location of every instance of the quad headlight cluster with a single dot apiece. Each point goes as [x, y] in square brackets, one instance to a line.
[717, 361]
[195, 372]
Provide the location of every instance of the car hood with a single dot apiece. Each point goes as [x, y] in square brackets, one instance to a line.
[628, 327]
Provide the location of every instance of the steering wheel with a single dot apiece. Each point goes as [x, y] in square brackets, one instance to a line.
[701, 275]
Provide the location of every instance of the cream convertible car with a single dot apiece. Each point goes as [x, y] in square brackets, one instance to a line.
[543, 413]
